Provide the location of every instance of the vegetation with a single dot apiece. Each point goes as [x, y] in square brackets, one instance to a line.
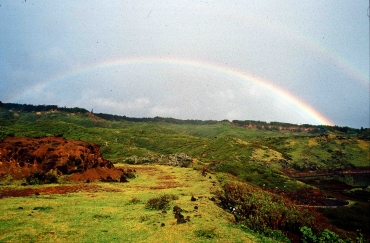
[325, 236]
[38, 178]
[255, 157]
[161, 202]
[116, 212]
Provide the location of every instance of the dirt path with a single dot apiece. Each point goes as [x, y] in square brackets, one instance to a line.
[59, 189]
[316, 173]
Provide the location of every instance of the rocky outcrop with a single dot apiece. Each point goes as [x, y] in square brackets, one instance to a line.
[180, 159]
[22, 157]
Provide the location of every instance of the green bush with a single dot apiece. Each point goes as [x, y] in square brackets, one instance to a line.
[259, 209]
[325, 236]
[161, 202]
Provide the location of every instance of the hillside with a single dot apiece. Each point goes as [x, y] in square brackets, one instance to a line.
[277, 157]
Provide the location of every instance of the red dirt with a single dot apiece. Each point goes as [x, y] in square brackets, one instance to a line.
[53, 190]
[20, 157]
[165, 185]
[315, 173]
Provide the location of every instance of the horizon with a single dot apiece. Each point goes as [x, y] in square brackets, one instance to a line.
[153, 117]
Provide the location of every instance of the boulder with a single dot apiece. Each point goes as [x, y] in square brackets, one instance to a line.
[179, 159]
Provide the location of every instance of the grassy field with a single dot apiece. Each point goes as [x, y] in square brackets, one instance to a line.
[117, 212]
[256, 156]
[107, 212]
[221, 141]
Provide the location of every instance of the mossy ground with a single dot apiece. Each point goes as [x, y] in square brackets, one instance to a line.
[104, 216]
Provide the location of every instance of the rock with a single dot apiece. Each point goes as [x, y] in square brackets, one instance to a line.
[196, 207]
[193, 199]
[180, 159]
[180, 218]
[177, 209]
[181, 221]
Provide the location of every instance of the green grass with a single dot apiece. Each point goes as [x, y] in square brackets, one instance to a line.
[221, 142]
[257, 156]
[254, 156]
[111, 216]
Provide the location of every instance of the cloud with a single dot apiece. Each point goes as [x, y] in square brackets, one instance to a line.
[294, 45]
[165, 111]
[138, 106]
[224, 95]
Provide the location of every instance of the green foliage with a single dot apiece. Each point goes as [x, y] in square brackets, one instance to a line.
[307, 235]
[222, 146]
[257, 174]
[275, 235]
[206, 233]
[266, 235]
[325, 236]
[43, 209]
[161, 202]
[208, 141]
[272, 215]
[259, 209]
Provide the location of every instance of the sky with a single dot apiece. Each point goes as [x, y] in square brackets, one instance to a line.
[301, 62]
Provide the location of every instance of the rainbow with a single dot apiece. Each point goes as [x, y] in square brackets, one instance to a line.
[305, 41]
[206, 66]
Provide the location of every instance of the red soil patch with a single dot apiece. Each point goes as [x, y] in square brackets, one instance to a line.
[166, 185]
[21, 157]
[53, 190]
[98, 174]
[166, 177]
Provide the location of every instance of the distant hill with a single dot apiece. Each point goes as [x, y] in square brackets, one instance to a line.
[224, 145]
[249, 124]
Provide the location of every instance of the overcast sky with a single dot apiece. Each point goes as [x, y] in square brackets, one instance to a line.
[289, 61]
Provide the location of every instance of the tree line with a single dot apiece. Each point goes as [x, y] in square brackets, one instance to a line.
[39, 108]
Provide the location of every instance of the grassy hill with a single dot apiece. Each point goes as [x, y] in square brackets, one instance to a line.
[260, 154]
[224, 146]
[117, 212]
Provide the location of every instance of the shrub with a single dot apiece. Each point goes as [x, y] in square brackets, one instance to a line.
[325, 236]
[130, 175]
[161, 202]
[134, 200]
[268, 213]
[259, 209]
[38, 178]
[307, 235]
